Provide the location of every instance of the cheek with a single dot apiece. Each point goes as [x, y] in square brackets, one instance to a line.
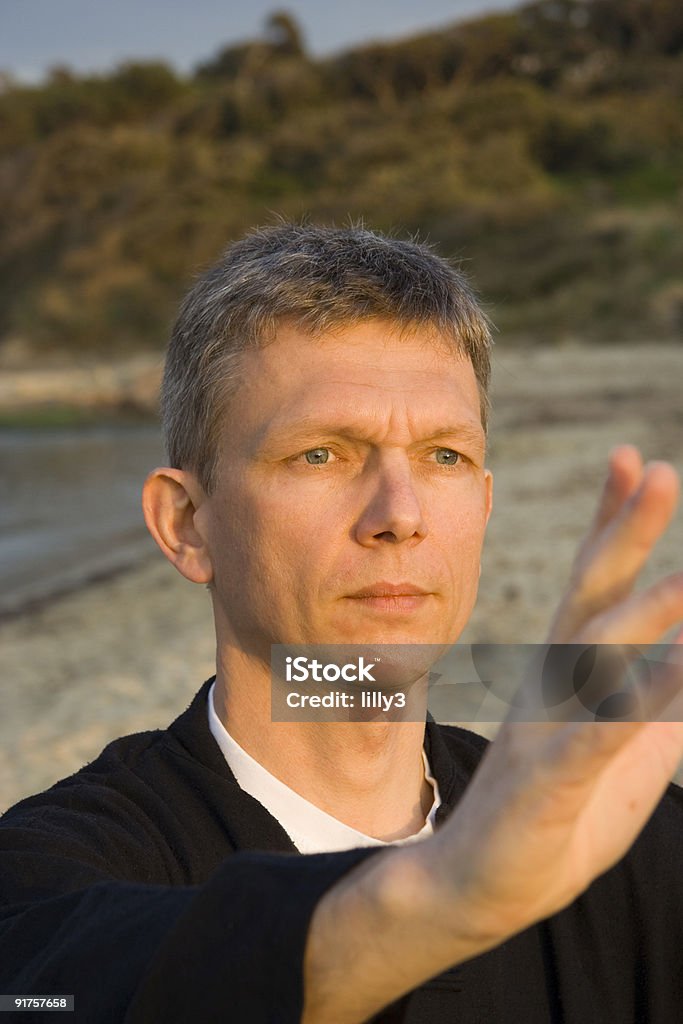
[268, 547]
[238, 547]
[465, 523]
[461, 545]
[296, 519]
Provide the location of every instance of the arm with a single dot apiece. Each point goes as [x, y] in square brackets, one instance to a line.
[146, 951]
[551, 807]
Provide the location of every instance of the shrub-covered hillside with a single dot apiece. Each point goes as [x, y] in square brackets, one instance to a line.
[544, 146]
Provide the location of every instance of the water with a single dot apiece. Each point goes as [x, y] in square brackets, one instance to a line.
[70, 506]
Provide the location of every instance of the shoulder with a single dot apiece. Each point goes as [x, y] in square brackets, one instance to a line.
[119, 770]
[102, 817]
[131, 765]
[464, 742]
[130, 809]
[453, 754]
[463, 747]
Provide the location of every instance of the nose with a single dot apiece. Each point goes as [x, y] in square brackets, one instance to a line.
[393, 513]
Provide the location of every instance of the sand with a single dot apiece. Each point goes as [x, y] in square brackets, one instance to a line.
[128, 653]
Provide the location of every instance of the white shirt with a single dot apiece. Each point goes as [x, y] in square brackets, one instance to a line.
[310, 829]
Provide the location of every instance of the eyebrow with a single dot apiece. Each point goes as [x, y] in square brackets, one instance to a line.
[301, 432]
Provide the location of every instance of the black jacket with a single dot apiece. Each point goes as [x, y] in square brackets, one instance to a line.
[153, 889]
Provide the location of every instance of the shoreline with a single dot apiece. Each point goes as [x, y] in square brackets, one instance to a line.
[76, 392]
[81, 580]
[71, 390]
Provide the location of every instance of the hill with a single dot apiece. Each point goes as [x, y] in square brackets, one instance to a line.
[543, 146]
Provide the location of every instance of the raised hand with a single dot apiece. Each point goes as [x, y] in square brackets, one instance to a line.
[555, 805]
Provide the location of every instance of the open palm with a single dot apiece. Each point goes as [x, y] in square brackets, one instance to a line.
[553, 805]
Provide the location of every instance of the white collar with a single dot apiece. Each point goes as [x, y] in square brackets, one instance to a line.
[311, 829]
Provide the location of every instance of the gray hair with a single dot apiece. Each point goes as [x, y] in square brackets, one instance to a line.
[318, 279]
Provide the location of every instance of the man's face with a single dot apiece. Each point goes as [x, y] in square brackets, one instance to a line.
[351, 496]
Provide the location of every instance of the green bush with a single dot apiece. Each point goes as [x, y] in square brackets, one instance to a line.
[544, 144]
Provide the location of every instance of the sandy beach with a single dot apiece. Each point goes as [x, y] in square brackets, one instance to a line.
[128, 652]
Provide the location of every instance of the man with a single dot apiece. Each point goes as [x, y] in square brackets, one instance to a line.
[325, 404]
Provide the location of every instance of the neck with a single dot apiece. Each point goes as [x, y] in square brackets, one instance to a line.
[370, 775]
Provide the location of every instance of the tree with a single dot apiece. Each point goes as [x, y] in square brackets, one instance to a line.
[283, 33]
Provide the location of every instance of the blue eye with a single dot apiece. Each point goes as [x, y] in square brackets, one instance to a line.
[317, 456]
[447, 457]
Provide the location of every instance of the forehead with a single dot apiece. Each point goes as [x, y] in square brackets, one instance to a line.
[367, 371]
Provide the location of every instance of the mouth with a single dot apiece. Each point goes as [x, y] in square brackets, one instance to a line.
[391, 597]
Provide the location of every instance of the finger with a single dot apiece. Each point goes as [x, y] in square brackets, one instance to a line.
[606, 568]
[623, 478]
[642, 619]
[612, 567]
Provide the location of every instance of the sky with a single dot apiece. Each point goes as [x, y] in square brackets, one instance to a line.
[95, 35]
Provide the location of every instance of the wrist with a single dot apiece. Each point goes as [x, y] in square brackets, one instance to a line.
[426, 898]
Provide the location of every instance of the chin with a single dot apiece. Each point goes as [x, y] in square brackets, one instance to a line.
[376, 633]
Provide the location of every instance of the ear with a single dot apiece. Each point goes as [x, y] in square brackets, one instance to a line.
[488, 476]
[170, 500]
